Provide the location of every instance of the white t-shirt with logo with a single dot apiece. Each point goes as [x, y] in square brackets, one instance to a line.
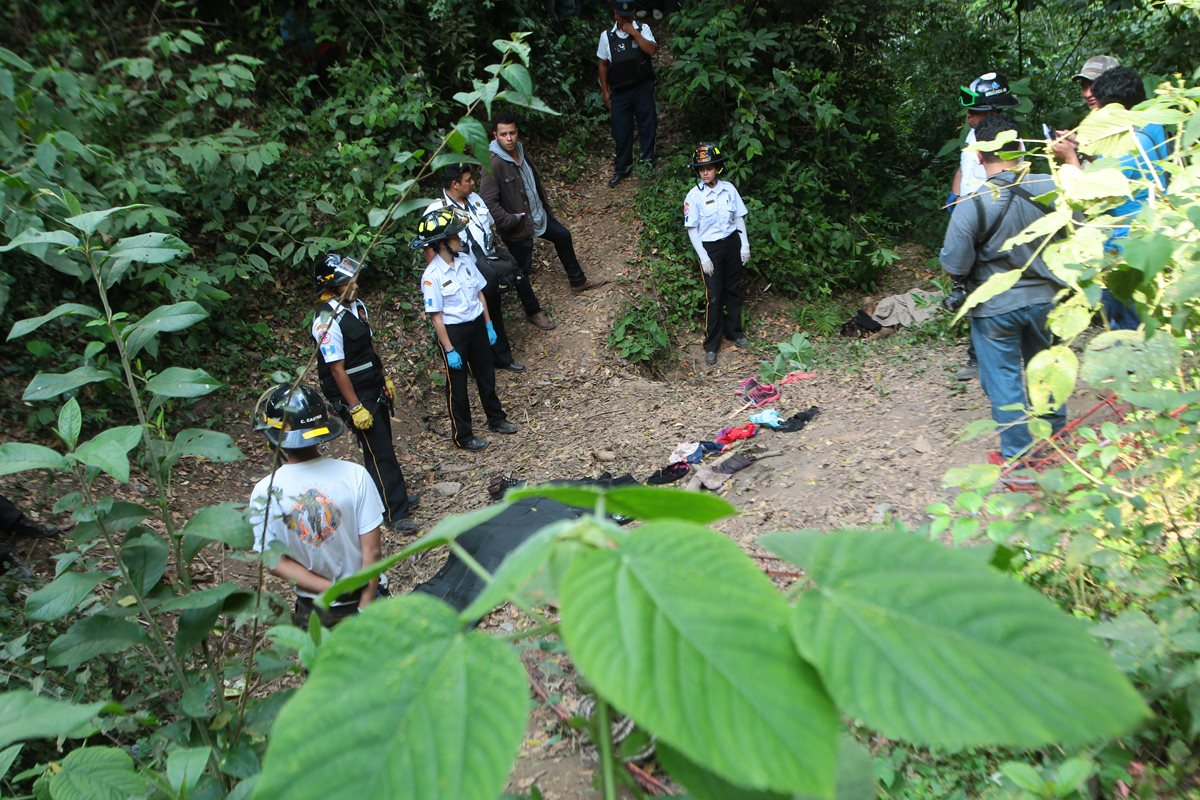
[318, 511]
[973, 173]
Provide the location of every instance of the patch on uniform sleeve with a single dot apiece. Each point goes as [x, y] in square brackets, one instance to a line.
[427, 283]
[429, 302]
[687, 207]
[328, 350]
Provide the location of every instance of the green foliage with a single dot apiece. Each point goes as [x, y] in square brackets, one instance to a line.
[794, 354]
[638, 335]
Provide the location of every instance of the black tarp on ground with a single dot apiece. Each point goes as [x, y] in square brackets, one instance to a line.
[490, 543]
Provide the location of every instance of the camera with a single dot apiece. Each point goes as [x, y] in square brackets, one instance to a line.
[957, 296]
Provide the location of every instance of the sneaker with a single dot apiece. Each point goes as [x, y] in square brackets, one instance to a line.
[710, 357]
[540, 320]
[503, 426]
[590, 283]
[968, 373]
[514, 366]
[405, 525]
[474, 443]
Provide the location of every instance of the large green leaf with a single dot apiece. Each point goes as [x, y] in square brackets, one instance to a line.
[180, 382]
[436, 712]
[96, 773]
[25, 715]
[1051, 375]
[163, 319]
[930, 645]
[145, 558]
[70, 422]
[21, 456]
[109, 450]
[147, 248]
[1123, 360]
[60, 597]
[638, 502]
[476, 138]
[185, 766]
[680, 630]
[24, 326]
[48, 385]
[996, 284]
[93, 636]
[90, 220]
[39, 238]
[221, 523]
[203, 443]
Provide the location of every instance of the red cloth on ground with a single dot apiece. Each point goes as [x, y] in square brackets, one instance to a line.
[795, 377]
[731, 435]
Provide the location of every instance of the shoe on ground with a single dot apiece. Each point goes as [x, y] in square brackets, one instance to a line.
[34, 530]
[474, 443]
[540, 320]
[503, 426]
[414, 500]
[710, 357]
[741, 342]
[514, 366]
[590, 283]
[968, 373]
[616, 178]
[404, 525]
[657, 14]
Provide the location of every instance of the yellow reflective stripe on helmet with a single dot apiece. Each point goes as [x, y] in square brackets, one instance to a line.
[314, 433]
[272, 423]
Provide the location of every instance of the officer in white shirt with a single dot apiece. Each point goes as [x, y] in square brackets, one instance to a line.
[627, 85]
[458, 193]
[452, 290]
[715, 218]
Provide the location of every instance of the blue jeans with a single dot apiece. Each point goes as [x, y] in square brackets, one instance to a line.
[1121, 317]
[1004, 345]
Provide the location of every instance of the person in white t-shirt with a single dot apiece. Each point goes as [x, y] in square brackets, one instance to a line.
[325, 513]
[626, 74]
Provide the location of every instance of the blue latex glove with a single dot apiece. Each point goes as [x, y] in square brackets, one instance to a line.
[951, 197]
[491, 333]
[453, 359]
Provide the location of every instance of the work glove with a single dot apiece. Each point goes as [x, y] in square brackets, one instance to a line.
[454, 359]
[745, 255]
[389, 388]
[706, 265]
[361, 417]
[491, 333]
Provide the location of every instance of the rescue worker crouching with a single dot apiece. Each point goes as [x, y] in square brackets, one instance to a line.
[353, 380]
[452, 291]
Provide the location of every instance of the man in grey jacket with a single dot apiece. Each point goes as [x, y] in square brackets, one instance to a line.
[1010, 328]
[513, 193]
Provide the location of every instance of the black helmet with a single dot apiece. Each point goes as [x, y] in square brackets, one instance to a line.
[332, 270]
[988, 92]
[436, 226]
[707, 155]
[292, 418]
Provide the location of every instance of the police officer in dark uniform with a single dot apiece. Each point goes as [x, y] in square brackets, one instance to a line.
[353, 380]
[627, 83]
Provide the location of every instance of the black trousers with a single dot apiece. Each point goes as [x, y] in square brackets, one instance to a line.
[10, 515]
[629, 105]
[558, 235]
[723, 292]
[470, 342]
[379, 453]
[502, 349]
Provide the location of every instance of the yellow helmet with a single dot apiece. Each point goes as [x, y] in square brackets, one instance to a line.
[437, 225]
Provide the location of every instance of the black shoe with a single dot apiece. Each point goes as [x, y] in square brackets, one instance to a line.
[515, 366]
[710, 357]
[404, 525]
[968, 373]
[34, 530]
[741, 342]
[414, 500]
[474, 443]
[616, 178]
[503, 426]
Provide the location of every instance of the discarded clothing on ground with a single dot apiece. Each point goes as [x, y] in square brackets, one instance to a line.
[860, 326]
[796, 377]
[489, 543]
[683, 452]
[771, 418]
[752, 392]
[731, 435]
[911, 308]
[668, 474]
[798, 420]
[714, 477]
[699, 450]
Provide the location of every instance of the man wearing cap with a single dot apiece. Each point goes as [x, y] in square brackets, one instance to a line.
[987, 94]
[353, 380]
[1093, 68]
[627, 84]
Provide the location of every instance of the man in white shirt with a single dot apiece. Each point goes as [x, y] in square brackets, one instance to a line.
[627, 84]
[452, 294]
[325, 513]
